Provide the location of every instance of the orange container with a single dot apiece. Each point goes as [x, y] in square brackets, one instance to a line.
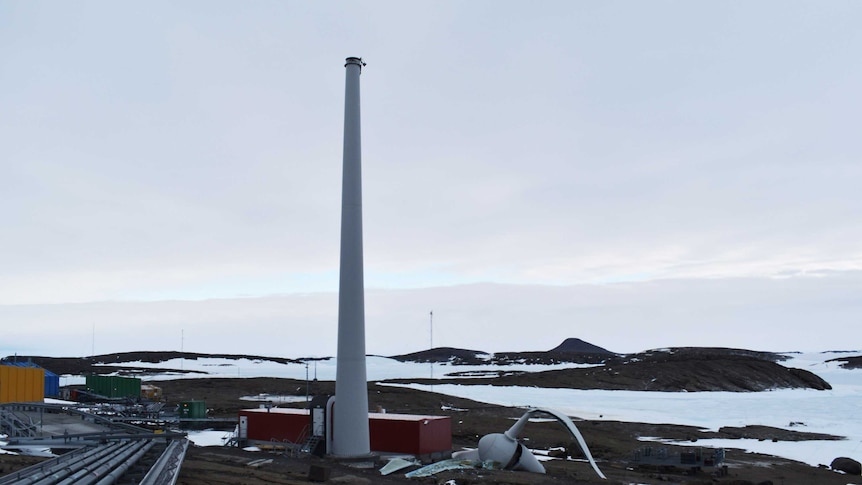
[21, 384]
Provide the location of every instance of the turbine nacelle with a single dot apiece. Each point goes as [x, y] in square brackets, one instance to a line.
[505, 449]
[509, 452]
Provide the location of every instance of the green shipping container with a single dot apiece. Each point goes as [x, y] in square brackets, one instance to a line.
[114, 386]
[193, 410]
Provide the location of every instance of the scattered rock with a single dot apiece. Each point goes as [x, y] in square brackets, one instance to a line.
[558, 453]
[351, 480]
[854, 362]
[317, 473]
[847, 465]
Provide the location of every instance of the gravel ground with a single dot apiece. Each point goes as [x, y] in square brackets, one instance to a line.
[612, 443]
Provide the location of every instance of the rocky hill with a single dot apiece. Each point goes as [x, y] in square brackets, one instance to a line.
[578, 346]
[677, 369]
[108, 363]
[680, 369]
[451, 355]
[854, 362]
[571, 350]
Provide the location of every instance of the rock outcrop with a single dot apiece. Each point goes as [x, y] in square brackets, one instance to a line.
[847, 465]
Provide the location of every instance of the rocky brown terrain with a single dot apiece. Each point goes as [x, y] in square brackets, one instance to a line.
[676, 369]
[612, 443]
[679, 369]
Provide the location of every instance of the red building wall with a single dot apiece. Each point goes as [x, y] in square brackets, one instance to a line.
[277, 424]
[408, 433]
[393, 433]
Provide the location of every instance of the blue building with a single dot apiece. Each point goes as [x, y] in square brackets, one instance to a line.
[52, 381]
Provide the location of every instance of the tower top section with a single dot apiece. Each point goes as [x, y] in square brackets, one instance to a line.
[354, 60]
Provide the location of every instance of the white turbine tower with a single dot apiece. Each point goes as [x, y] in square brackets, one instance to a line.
[350, 436]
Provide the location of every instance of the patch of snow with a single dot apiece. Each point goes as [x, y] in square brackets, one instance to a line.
[377, 368]
[209, 437]
[802, 451]
[450, 408]
[3, 443]
[537, 420]
[39, 451]
[274, 398]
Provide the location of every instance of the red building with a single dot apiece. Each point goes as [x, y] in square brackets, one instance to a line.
[409, 433]
[275, 424]
[422, 436]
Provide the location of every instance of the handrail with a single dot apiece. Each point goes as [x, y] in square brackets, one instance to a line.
[166, 469]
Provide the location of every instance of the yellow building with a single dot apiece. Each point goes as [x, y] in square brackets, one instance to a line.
[151, 392]
[21, 384]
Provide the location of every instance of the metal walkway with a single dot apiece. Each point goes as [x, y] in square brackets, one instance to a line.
[117, 453]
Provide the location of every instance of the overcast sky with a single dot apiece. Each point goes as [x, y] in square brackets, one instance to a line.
[694, 159]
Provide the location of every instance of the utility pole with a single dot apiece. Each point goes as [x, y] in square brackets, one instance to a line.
[431, 341]
[431, 330]
[307, 386]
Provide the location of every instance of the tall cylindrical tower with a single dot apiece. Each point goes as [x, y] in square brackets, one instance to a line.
[350, 417]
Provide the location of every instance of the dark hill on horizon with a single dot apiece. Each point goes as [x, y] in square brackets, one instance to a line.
[451, 355]
[689, 369]
[118, 362]
[848, 362]
[576, 345]
[571, 350]
[673, 369]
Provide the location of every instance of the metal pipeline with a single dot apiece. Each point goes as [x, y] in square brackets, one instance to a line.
[63, 470]
[24, 476]
[103, 466]
[117, 472]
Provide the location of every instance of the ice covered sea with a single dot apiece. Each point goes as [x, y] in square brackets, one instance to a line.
[833, 412]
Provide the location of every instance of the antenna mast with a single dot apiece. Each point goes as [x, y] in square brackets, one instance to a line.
[431, 330]
[431, 340]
